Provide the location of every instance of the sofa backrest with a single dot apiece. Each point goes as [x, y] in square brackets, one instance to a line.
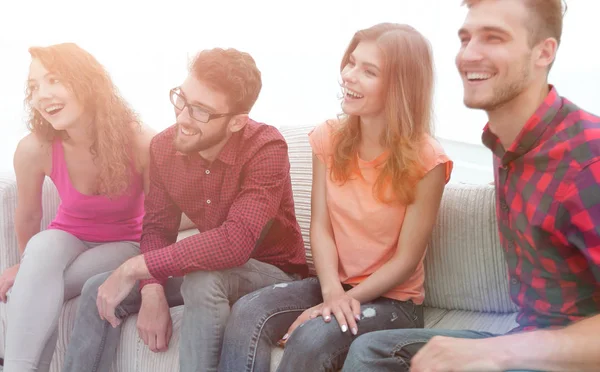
[464, 266]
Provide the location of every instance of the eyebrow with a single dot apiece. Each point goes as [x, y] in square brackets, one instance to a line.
[495, 29]
[197, 103]
[29, 80]
[366, 63]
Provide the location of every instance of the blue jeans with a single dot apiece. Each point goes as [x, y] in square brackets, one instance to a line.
[260, 319]
[207, 296]
[392, 350]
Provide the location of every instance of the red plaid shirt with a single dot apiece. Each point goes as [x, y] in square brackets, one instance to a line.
[548, 209]
[242, 204]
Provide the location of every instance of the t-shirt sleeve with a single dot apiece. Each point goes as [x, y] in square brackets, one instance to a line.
[320, 141]
[433, 154]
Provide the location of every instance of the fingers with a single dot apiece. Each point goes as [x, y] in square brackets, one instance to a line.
[152, 342]
[169, 334]
[356, 309]
[4, 287]
[326, 314]
[143, 335]
[161, 340]
[350, 319]
[315, 313]
[294, 325]
[301, 319]
[106, 310]
[109, 314]
[100, 306]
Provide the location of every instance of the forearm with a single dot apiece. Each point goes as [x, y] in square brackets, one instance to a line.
[325, 258]
[388, 276]
[574, 348]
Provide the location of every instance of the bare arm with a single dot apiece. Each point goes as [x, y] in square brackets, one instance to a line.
[574, 348]
[321, 233]
[30, 162]
[415, 234]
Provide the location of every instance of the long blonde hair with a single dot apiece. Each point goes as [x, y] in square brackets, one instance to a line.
[408, 77]
[114, 122]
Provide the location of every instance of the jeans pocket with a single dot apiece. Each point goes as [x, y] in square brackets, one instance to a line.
[410, 310]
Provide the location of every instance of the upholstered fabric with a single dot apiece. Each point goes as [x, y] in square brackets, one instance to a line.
[464, 266]
[466, 286]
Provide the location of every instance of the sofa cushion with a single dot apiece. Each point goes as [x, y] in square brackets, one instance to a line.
[300, 155]
[464, 265]
[459, 319]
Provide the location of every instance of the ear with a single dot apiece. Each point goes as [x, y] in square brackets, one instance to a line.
[546, 52]
[238, 122]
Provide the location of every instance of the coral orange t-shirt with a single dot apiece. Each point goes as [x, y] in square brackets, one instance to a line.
[365, 230]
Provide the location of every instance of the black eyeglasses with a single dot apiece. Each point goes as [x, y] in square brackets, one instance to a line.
[196, 112]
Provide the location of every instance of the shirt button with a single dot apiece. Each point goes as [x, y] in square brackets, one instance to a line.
[208, 201]
[504, 206]
[514, 281]
[207, 171]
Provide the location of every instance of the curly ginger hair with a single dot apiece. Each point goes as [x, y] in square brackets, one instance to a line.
[113, 122]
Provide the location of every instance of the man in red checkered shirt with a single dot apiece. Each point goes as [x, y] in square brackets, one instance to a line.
[230, 176]
[547, 175]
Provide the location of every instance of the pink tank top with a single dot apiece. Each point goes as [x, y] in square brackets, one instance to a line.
[96, 218]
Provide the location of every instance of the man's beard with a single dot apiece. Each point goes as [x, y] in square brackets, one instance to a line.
[201, 143]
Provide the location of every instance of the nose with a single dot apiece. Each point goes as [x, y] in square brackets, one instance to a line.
[43, 92]
[183, 116]
[470, 52]
[349, 75]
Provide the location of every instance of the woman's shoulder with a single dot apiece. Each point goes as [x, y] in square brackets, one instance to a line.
[321, 136]
[33, 150]
[432, 154]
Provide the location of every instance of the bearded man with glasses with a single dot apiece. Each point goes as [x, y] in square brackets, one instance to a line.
[230, 176]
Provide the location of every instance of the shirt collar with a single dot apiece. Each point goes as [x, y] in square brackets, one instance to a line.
[531, 132]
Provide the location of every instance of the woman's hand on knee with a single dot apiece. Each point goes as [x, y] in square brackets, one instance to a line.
[7, 279]
[345, 309]
[307, 315]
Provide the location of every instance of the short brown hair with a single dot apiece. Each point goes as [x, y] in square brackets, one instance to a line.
[547, 16]
[231, 72]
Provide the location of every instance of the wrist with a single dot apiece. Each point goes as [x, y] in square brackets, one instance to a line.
[135, 268]
[332, 290]
[152, 290]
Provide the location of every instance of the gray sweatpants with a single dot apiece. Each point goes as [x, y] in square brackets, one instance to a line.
[54, 268]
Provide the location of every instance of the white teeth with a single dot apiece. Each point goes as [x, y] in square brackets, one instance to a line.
[353, 94]
[478, 76]
[187, 132]
[54, 107]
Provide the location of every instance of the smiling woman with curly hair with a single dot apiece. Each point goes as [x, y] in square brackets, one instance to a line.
[91, 144]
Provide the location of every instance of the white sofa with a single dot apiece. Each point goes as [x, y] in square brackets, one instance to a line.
[466, 285]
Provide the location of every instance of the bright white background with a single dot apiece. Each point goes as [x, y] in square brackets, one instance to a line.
[297, 46]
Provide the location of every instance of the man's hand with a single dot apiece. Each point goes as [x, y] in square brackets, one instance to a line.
[7, 279]
[449, 354]
[154, 323]
[117, 287]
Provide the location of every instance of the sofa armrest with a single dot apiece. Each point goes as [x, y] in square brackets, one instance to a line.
[9, 252]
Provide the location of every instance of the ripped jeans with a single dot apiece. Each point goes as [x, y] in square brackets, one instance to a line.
[260, 319]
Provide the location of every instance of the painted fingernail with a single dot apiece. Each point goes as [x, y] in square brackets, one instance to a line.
[344, 328]
[354, 331]
[285, 337]
[327, 318]
[357, 317]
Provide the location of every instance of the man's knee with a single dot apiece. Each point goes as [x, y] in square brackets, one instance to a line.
[201, 285]
[90, 288]
[362, 353]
